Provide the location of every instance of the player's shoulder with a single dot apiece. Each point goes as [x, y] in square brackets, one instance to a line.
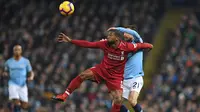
[25, 59]
[125, 45]
[102, 42]
[9, 60]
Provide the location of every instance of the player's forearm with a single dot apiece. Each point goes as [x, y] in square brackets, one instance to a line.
[140, 46]
[129, 31]
[83, 43]
[31, 74]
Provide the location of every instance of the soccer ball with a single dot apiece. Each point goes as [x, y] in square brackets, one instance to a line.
[66, 8]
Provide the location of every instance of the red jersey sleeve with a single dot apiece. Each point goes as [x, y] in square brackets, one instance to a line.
[87, 44]
[138, 46]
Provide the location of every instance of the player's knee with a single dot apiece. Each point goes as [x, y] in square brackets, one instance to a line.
[83, 76]
[86, 75]
[117, 99]
[133, 102]
[25, 105]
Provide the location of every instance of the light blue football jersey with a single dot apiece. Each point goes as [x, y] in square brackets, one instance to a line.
[134, 64]
[18, 70]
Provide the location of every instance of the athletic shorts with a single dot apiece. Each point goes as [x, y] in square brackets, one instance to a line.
[101, 74]
[18, 92]
[134, 84]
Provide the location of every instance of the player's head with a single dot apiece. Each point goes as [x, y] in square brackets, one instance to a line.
[132, 27]
[114, 36]
[17, 50]
[129, 37]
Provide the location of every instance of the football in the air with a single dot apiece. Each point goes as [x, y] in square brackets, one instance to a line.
[66, 8]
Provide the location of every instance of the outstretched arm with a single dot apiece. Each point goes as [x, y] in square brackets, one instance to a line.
[82, 43]
[138, 46]
[86, 44]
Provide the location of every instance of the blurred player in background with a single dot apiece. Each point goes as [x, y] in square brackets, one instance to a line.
[17, 69]
[110, 70]
[133, 74]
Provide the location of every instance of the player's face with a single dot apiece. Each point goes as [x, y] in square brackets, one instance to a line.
[111, 38]
[17, 50]
[128, 37]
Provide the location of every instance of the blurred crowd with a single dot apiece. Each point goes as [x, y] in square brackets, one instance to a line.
[177, 86]
[34, 24]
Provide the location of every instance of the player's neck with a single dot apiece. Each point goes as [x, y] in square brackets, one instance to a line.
[115, 45]
[17, 57]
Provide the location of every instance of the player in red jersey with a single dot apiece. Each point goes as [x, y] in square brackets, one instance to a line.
[111, 68]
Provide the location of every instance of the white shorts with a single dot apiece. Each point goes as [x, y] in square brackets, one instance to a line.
[134, 84]
[18, 92]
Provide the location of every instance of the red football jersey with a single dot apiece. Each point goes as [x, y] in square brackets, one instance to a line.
[114, 59]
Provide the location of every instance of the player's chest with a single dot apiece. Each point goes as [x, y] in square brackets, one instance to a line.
[115, 54]
[16, 66]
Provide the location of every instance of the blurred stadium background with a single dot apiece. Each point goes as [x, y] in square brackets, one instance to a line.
[172, 68]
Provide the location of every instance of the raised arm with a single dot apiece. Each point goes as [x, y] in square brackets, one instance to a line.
[137, 38]
[125, 30]
[82, 43]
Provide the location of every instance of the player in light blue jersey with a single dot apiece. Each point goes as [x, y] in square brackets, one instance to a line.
[17, 68]
[133, 74]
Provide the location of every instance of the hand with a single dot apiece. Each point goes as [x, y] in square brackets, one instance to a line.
[111, 28]
[30, 78]
[63, 38]
[151, 46]
[5, 74]
[149, 49]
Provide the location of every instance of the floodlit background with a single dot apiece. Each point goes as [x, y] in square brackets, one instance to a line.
[172, 68]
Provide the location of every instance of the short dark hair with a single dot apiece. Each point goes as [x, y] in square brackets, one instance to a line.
[117, 33]
[132, 27]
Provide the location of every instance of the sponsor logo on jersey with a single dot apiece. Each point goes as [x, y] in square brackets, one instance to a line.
[135, 45]
[115, 57]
